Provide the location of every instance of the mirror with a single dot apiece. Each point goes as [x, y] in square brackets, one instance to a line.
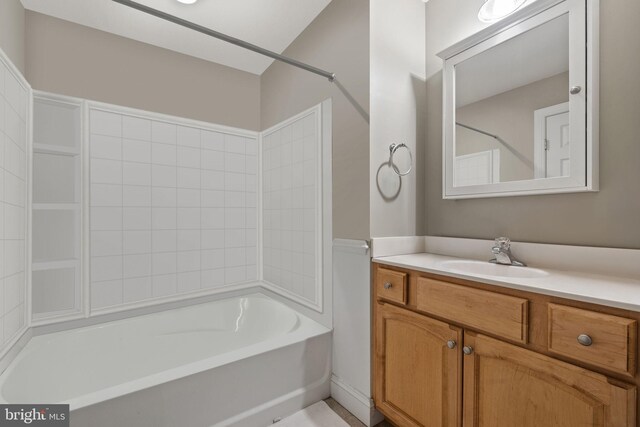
[516, 104]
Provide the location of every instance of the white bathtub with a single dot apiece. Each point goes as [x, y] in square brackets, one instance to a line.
[239, 361]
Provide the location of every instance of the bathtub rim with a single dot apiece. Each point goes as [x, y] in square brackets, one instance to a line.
[306, 329]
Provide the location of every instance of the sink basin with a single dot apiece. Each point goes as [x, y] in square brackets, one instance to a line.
[493, 270]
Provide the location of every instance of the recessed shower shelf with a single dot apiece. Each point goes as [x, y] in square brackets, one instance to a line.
[55, 149]
[52, 265]
[56, 206]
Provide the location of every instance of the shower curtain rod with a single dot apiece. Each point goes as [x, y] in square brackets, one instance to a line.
[171, 18]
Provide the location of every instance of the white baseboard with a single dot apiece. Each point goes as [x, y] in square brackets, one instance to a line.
[355, 402]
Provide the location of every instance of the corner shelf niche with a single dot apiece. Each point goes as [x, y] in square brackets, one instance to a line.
[56, 274]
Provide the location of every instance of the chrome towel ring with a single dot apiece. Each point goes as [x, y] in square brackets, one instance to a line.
[392, 151]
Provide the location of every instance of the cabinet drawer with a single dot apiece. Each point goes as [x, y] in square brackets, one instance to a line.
[596, 338]
[498, 314]
[391, 285]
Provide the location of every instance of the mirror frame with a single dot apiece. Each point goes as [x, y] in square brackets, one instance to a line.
[583, 71]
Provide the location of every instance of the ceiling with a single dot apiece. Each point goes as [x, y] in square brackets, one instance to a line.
[271, 24]
[534, 55]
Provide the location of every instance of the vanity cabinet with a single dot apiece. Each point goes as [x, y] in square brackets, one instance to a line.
[453, 352]
[417, 369]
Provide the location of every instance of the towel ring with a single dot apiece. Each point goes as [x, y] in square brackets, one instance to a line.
[392, 151]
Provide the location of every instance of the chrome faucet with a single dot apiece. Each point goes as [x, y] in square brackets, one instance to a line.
[502, 251]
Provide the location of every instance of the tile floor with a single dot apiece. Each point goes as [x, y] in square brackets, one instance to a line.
[348, 416]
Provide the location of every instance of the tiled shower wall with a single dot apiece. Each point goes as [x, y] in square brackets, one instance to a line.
[14, 101]
[291, 208]
[173, 208]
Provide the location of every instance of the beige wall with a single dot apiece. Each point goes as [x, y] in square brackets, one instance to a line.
[397, 115]
[610, 217]
[510, 116]
[12, 22]
[71, 59]
[338, 41]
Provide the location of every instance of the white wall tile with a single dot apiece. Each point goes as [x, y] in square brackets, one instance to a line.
[188, 197]
[235, 162]
[212, 160]
[213, 180]
[212, 140]
[234, 144]
[106, 243]
[163, 176]
[106, 268]
[135, 195]
[163, 154]
[136, 128]
[188, 137]
[164, 285]
[163, 132]
[104, 123]
[136, 218]
[234, 199]
[234, 181]
[12, 288]
[106, 294]
[235, 257]
[168, 209]
[106, 195]
[164, 218]
[212, 218]
[136, 174]
[212, 259]
[189, 281]
[106, 147]
[137, 289]
[189, 261]
[164, 240]
[136, 242]
[163, 197]
[188, 218]
[189, 157]
[212, 278]
[13, 193]
[106, 218]
[212, 239]
[188, 178]
[14, 190]
[106, 171]
[235, 218]
[212, 198]
[136, 265]
[136, 151]
[164, 263]
[188, 240]
[234, 238]
[235, 274]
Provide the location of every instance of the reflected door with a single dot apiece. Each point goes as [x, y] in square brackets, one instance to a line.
[552, 141]
[558, 148]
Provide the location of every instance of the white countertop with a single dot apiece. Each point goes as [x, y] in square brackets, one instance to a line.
[610, 291]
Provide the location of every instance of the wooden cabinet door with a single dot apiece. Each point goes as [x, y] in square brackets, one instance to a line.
[505, 385]
[416, 375]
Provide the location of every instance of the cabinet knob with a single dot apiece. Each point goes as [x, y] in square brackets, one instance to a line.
[388, 285]
[585, 340]
[575, 90]
[451, 344]
[467, 350]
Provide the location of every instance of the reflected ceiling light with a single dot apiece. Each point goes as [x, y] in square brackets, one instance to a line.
[187, 1]
[495, 10]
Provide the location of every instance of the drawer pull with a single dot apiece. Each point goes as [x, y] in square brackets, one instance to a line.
[451, 344]
[388, 285]
[467, 350]
[585, 340]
